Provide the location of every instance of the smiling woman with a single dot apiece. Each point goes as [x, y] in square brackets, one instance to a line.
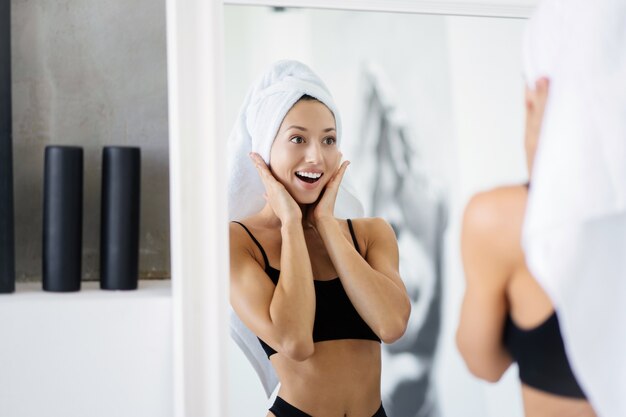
[420, 107]
[337, 293]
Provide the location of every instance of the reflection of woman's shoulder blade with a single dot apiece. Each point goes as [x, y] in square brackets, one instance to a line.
[497, 207]
[496, 217]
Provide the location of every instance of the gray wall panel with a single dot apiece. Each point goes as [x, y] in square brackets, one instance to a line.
[90, 73]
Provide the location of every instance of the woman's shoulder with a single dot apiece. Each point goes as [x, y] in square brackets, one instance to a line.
[237, 236]
[496, 216]
[250, 223]
[503, 194]
[492, 207]
[247, 238]
[253, 231]
[372, 227]
[241, 230]
[368, 222]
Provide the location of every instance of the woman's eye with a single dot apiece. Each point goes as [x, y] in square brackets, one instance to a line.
[297, 139]
[330, 140]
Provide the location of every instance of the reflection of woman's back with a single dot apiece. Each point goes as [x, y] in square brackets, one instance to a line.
[506, 315]
[319, 292]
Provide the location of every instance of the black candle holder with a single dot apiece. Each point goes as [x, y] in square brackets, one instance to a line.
[63, 218]
[7, 238]
[119, 233]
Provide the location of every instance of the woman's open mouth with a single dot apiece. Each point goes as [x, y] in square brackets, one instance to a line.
[310, 177]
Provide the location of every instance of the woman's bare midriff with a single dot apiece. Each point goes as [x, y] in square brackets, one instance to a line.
[542, 404]
[342, 378]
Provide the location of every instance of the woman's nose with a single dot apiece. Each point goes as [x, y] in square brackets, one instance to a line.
[313, 153]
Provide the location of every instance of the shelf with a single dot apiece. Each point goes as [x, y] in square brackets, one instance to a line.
[90, 290]
[87, 353]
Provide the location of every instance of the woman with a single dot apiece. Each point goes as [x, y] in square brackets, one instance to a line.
[320, 293]
[506, 316]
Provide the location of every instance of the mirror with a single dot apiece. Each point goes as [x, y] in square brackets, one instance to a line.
[432, 108]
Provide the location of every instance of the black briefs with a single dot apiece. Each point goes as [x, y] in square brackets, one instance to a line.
[282, 408]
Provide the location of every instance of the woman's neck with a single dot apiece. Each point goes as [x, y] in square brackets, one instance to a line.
[270, 219]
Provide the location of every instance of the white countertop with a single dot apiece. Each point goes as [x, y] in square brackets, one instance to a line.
[87, 353]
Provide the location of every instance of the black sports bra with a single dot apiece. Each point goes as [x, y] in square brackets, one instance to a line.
[335, 316]
[540, 355]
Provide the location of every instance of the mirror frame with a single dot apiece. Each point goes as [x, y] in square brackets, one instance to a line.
[517, 9]
[198, 208]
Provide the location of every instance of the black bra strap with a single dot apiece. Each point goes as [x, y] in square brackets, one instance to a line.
[356, 244]
[267, 263]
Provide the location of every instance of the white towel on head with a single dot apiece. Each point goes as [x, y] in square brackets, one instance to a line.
[575, 228]
[263, 110]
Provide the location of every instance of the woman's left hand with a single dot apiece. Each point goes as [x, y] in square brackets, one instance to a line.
[325, 205]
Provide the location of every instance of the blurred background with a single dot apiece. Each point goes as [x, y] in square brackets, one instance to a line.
[432, 108]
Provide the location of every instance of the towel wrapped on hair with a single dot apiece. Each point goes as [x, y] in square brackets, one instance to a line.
[263, 110]
[575, 228]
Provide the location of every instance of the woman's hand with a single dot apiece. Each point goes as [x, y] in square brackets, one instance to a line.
[324, 207]
[535, 106]
[283, 204]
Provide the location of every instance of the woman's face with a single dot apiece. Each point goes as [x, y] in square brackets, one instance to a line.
[304, 155]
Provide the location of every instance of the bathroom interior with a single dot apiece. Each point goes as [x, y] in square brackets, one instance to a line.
[439, 91]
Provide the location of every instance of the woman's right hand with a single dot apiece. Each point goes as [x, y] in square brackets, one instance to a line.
[535, 106]
[279, 199]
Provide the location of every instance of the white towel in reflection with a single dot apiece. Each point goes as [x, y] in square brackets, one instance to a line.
[575, 227]
[264, 108]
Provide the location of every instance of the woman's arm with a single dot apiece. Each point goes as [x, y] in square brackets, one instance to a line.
[488, 264]
[373, 283]
[281, 316]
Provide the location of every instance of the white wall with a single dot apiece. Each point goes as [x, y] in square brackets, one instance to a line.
[458, 83]
[485, 77]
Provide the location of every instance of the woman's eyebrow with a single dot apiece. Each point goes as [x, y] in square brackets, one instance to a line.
[328, 129]
[297, 127]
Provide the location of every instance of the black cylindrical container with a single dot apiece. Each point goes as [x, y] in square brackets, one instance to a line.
[7, 238]
[62, 218]
[119, 226]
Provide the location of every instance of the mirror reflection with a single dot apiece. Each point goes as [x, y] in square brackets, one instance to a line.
[431, 110]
